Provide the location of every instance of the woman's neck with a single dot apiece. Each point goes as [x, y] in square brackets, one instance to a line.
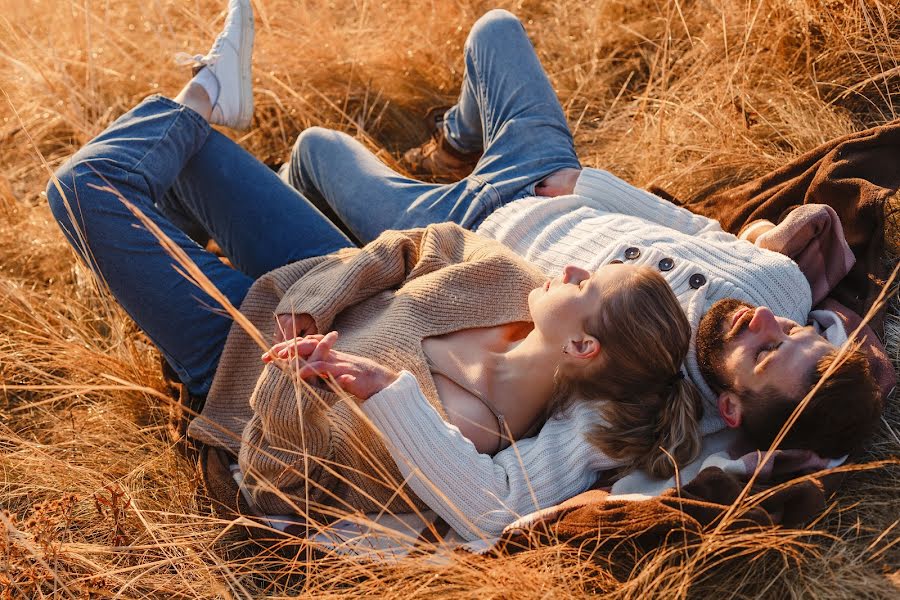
[527, 368]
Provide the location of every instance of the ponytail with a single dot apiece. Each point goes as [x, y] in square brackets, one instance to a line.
[649, 417]
[677, 433]
[651, 430]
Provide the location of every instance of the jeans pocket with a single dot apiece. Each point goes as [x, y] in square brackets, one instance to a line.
[485, 199]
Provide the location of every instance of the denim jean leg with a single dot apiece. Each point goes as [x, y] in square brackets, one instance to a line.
[138, 157]
[367, 195]
[508, 99]
[172, 208]
[259, 221]
[370, 197]
[507, 106]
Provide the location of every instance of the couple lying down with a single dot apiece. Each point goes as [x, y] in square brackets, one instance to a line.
[595, 325]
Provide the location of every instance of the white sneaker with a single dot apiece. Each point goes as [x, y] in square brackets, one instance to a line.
[229, 60]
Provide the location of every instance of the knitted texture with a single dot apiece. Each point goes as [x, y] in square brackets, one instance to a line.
[606, 216]
[478, 494]
[303, 451]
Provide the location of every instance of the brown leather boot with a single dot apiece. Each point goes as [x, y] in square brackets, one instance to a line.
[436, 159]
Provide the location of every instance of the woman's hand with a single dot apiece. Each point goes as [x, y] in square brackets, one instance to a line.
[289, 326]
[354, 374]
[297, 347]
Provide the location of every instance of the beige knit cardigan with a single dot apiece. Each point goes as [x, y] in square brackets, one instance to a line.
[315, 453]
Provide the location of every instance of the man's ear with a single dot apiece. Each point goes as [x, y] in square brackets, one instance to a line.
[587, 347]
[730, 409]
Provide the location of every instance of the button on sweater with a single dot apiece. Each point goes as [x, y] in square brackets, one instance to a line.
[605, 220]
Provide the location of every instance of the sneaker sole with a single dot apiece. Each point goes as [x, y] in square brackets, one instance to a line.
[246, 54]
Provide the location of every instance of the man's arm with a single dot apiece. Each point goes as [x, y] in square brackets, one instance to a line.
[616, 195]
[477, 494]
[611, 194]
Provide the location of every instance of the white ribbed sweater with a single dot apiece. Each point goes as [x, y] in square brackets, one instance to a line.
[478, 494]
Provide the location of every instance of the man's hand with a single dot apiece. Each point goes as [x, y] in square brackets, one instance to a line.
[354, 374]
[755, 229]
[293, 326]
[561, 183]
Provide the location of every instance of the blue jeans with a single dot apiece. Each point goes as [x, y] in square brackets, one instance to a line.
[507, 108]
[165, 159]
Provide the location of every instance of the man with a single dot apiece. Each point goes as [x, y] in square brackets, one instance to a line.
[754, 353]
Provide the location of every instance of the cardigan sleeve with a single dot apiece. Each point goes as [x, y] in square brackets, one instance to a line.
[353, 275]
[289, 421]
[617, 196]
[477, 494]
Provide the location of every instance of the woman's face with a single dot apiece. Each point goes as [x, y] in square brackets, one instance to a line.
[562, 306]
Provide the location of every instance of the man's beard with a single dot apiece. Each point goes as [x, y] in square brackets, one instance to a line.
[712, 337]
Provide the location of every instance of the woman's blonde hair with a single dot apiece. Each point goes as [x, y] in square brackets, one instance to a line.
[651, 410]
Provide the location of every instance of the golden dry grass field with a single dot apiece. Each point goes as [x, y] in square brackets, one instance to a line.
[684, 94]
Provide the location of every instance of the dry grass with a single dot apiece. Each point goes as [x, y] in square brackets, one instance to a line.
[683, 94]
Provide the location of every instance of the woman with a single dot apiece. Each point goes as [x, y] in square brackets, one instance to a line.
[493, 346]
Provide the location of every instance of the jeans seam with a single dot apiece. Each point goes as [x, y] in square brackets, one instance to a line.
[484, 107]
[180, 367]
[495, 200]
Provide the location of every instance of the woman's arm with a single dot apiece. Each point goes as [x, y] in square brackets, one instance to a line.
[475, 493]
[478, 494]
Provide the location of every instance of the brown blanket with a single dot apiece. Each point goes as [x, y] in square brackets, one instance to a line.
[854, 174]
[619, 531]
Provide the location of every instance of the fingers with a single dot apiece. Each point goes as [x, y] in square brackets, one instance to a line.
[288, 326]
[285, 328]
[314, 356]
[345, 376]
[292, 348]
[309, 326]
[323, 347]
[326, 368]
[310, 349]
[330, 362]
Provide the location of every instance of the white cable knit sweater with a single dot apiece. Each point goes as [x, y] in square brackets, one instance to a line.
[605, 219]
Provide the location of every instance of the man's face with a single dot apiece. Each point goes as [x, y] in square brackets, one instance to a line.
[745, 348]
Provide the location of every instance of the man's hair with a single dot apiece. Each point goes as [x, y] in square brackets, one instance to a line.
[838, 418]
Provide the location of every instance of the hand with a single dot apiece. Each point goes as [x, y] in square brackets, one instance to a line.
[294, 348]
[755, 229]
[289, 326]
[356, 375]
[561, 183]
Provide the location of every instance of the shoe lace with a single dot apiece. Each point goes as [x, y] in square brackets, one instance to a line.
[184, 59]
